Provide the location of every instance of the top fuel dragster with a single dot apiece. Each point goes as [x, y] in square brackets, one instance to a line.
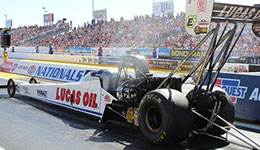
[165, 108]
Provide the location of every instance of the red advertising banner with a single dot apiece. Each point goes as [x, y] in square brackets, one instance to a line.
[59, 49]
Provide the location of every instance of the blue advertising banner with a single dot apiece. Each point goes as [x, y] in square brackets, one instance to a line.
[87, 49]
[164, 53]
[244, 90]
[145, 51]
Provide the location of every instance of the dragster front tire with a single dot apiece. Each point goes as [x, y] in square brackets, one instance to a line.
[165, 117]
[33, 80]
[11, 87]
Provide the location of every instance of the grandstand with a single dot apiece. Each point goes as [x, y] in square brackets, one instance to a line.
[141, 32]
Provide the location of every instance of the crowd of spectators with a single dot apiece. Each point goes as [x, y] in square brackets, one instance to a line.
[28, 35]
[21, 35]
[141, 32]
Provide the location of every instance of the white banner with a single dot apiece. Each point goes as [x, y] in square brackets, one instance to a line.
[9, 23]
[100, 14]
[163, 8]
[46, 71]
[198, 16]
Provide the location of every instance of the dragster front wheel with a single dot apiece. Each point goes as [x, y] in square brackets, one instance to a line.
[164, 117]
[33, 80]
[11, 87]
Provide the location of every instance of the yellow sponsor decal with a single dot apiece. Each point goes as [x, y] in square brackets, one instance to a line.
[184, 53]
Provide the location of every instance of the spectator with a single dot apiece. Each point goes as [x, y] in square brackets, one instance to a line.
[37, 49]
[154, 53]
[50, 50]
[100, 51]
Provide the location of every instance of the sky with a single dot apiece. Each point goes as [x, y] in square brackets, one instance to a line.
[30, 12]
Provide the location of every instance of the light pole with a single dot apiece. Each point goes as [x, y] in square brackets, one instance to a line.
[93, 9]
[152, 7]
[44, 12]
[5, 20]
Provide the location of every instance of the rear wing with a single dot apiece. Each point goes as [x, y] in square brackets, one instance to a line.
[200, 14]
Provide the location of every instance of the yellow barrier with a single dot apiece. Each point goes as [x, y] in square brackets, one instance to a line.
[67, 58]
[5, 56]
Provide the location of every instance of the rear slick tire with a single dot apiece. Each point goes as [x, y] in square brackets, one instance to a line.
[227, 112]
[165, 117]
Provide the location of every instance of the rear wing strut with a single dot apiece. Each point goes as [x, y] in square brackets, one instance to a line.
[200, 14]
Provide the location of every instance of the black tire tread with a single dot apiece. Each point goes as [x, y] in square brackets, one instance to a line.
[176, 117]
